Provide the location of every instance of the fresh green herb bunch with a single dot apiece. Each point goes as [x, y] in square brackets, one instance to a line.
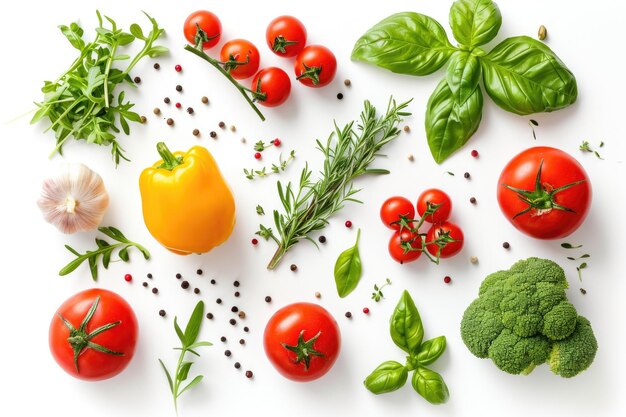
[348, 152]
[83, 103]
[521, 75]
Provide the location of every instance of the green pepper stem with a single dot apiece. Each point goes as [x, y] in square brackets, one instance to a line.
[169, 160]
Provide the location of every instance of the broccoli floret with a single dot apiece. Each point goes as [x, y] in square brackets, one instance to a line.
[522, 316]
[571, 356]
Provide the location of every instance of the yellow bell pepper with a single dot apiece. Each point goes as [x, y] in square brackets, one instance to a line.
[187, 205]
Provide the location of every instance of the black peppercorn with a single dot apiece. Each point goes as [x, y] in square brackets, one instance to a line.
[196, 290]
[227, 352]
[137, 80]
[249, 374]
[184, 285]
[223, 338]
[237, 294]
[234, 309]
[339, 96]
[473, 200]
[178, 276]
[170, 121]
[268, 299]
[213, 281]
[232, 321]
[322, 239]
[237, 365]
[236, 283]
[209, 316]
[162, 313]
[213, 134]
[293, 267]
[506, 245]
[166, 100]
[195, 132]
[149, 276]
[348, 314]
[466, 175]
[155, 290]
[199, 271]
[246, 329]
[218, 301]
[156, 65]
[145, 284]
[179, 88]
[222, 125]
[190, 110]
[242, 342]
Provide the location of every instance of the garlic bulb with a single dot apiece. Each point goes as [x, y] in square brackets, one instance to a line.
[74, 200]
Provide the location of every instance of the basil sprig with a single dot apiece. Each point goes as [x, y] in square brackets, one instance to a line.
[407, 333]
[521, 74]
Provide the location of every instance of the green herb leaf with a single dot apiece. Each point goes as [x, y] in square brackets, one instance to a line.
[406, 43]
[193, 326]
[566, 245]
[259, 210]
[183, 371]
[431, 350]
[193, 383]
[449, 125]
[406, 325]
[387, 377]
[463, 75]
[430, 385]
[475, 22]
[169, 377]
[524, 76]
[348, 269]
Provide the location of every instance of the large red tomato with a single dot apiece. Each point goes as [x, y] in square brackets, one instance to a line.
[93, 334]
[544, 192]
[302, 341]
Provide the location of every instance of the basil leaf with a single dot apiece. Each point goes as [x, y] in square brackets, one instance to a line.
[449, 124]
[430, 385]
[431, 350]
[388, 376]
[406, 43]
[406, 325]
[193, 325]
[348, 269]
[475, 22]
[524, 76]
[463, 75]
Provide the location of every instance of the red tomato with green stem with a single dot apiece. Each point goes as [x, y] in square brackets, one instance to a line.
[209, 25]
[286, 36]
[395, 208]
[544, 192]
[405, 246]
[434, 197]
[451, 237]
[93, 334]
[240, 58]
[315, 66]
[302, 341]
[271, 87]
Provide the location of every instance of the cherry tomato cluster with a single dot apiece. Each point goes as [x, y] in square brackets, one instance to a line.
[286, 36]
[442, 240]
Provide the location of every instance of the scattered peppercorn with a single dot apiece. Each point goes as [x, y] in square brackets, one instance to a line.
[156, 66]
[249, 374]
[190, 110]
[317, 294]
[583, 291]
[170, 121]
[232, 322]
[209, 316]
[366, 310]
[218, 301]
[137, 80]
[178, 276]
[466, 175]
[145, 284]
[243, 140]
[199, 271]
[474, 259]
[237, 294]
[156, 110]
[339, 96]
[178, 68]
[242, 341]
[268, 299]
[237, 365]
[347, 82]
[227, 353]
[293, 267]
[322, 239]
[255, 241]
[474, 153]
[473, 200]
[506, 245]
[162, 313]
[222, 125]
[213, 281]
[223, 338]
[143, 119]
[235, 283]
[196, 290]
[234, 309]
[276, 142]
[195, 132]
[178, 105]
[406, 129]
[348, 314]
[257, 155]
[348, 224]
[447, 279]
[246, 329]
[213, 134]
[204, 99]
[155, 290]
[242, 315]
[149, 275]
[233, 128]
[411, 158]
[128, 277]
[179, 88]
[184, 285]
[166, 100]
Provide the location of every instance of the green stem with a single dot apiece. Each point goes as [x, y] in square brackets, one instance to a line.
[216, 64]
[278, 256]
[176, 381]
[170, 161]
[106, 75]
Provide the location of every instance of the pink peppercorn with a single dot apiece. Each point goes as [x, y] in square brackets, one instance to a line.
[128, 277]
[257, 155]
[475, 153]
[255, 241]
[366, 310]
[348, 224]
[178, 68]
[447, 279]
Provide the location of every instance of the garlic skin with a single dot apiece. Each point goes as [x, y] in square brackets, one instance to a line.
[74, 199]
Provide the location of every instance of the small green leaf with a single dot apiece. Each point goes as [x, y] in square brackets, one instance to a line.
[157, 51]
[123, 254]
[566, 245]
[431, 350]
[193, 325]
[183, 371]
[169, 377]
[193, 382]
[387, 377]
[93, 267]
[179, 332]
[199, 344]
[406, 325]
[348, 269]
[430, 385]
[259, 210]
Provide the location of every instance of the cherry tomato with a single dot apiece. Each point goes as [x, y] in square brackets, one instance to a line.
[111, 332]
[302, 341]
[434, 196]
[544, 192]
[272, 86]
[241, 57]
[315, 66]
[286, 36]
[208, 22]
[443, 230]
[393, 208]
[396, 249]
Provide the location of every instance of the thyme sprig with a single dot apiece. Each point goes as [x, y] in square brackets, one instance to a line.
[348, 152]
[274, 169]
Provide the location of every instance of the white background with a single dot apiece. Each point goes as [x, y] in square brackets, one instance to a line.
[587, 36]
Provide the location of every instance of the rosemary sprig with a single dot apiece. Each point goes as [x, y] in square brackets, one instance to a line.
[105, 249]
[347, 154]
[274, 169]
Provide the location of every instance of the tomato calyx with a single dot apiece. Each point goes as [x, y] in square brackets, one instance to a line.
[232, 62]
[312, 73]
[304, 349]
[541, 199]
[201, 37]
[258, 94]
[280, 43]
[80, 340]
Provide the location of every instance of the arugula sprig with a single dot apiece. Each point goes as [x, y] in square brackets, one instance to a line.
[82, 103]
[104, 250]
[188, 344]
